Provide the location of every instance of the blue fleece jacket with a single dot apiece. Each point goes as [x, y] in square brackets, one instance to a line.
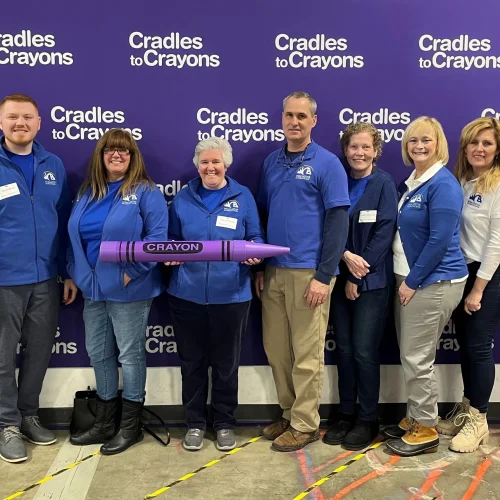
[33, 235]
[141, 216]
[190, 219]
[429, 226]
[372, 225]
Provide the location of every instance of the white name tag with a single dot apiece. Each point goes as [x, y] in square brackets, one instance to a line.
[9, 190]
[229, 222]
[368, 216]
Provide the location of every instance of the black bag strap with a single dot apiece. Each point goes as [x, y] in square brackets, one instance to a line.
[152, 433]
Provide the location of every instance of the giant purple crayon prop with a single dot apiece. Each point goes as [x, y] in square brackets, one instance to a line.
[183, 251]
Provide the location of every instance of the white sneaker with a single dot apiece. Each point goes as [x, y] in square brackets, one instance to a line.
[448, 426]
[473, 433]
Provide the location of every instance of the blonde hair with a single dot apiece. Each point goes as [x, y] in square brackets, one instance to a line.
[135, 175]
[442, 154]
[489, 181]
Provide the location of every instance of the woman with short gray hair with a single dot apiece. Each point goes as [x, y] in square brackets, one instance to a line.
[209, 301]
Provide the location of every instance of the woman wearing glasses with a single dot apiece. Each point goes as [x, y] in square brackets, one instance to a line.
[116, 202]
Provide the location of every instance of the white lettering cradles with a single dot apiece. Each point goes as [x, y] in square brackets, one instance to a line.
[11, 45]
[450, 53]
[75, 121]
[318, 52]
[381, 117]
[491, 112]
[169, 51]
[237, 126]
[155, 343]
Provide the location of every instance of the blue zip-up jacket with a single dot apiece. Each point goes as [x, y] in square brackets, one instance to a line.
[373, 240]
[429, 226]
[33, 227]
[141, 216]
[190, 219]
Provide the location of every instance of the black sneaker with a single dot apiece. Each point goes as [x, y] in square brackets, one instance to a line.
[339, 429]
[361, 435]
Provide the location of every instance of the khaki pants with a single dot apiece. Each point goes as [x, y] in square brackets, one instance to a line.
[419, 326]
[294, 341]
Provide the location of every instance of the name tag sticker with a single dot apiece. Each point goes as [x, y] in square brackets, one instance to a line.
[368, 216]
[9, 190]
[229, 222]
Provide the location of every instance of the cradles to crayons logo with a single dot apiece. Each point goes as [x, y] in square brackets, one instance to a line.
[237, 126]
[173, 51]
[30, 49]
[319, 52]
[383, 118]
[450, 53]
[490, 112]
[76, 123]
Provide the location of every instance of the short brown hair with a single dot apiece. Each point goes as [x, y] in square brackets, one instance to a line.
[442, 154]
[358, 128]
[136, 173]
[18, 98]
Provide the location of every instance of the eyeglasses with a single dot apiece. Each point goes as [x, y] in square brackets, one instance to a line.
[120, 151]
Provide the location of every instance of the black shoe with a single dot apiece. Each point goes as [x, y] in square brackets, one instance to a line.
[338, 431]
[362, 435]
[397, 431]
[399, 447]
[130, 431]
[104, 426]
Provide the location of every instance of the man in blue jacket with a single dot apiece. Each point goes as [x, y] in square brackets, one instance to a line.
[34, 210]
[304, 198]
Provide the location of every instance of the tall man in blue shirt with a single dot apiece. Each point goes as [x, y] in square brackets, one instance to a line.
[304, 200]
[34, 210]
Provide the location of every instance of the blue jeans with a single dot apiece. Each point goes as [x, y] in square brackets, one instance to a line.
[475, 335]
[359, 326]
[116, 332]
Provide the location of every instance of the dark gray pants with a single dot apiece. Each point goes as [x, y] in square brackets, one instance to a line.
[28, 314]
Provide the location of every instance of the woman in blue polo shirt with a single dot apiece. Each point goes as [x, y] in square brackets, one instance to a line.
[430, 276]
[362, 292]
[209, 301]
[117, 201]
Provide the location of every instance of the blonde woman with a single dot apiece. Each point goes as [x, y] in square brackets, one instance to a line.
[117, 201]
[478, 314]
[430, 274]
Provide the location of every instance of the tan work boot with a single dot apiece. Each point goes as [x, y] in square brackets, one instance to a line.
[276, 429]
[448, 426]
[473, 432]
[417, 440]
[293, 440]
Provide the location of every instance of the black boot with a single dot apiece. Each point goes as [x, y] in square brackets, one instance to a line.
[130, 431]
[362, 435]
[342, 424]
[104, 426]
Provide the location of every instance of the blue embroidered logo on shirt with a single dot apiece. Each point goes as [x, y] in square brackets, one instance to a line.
[231, 206]
[475, 200]
[130, 199]
[304, 172]
[49, 178]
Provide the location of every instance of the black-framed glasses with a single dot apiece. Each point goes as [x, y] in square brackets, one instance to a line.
[120, 151]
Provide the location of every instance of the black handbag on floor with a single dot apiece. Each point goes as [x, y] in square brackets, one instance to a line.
[84, 410]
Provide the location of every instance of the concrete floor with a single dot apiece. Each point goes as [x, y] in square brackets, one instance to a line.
[255, 472]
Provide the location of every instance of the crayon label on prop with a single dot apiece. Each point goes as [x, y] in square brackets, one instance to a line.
[173, 247]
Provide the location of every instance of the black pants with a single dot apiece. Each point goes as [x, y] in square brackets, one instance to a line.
[28, 314]
[359, 327]
[475, 335]
[209, 335]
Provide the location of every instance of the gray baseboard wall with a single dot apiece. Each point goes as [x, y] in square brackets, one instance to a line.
[59, 418]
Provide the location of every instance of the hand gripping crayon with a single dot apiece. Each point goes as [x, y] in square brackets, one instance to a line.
[184, 251]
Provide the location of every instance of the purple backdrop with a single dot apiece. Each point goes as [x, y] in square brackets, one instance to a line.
[175, 73]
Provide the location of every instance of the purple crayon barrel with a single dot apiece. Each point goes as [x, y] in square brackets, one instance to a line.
[184, 251]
